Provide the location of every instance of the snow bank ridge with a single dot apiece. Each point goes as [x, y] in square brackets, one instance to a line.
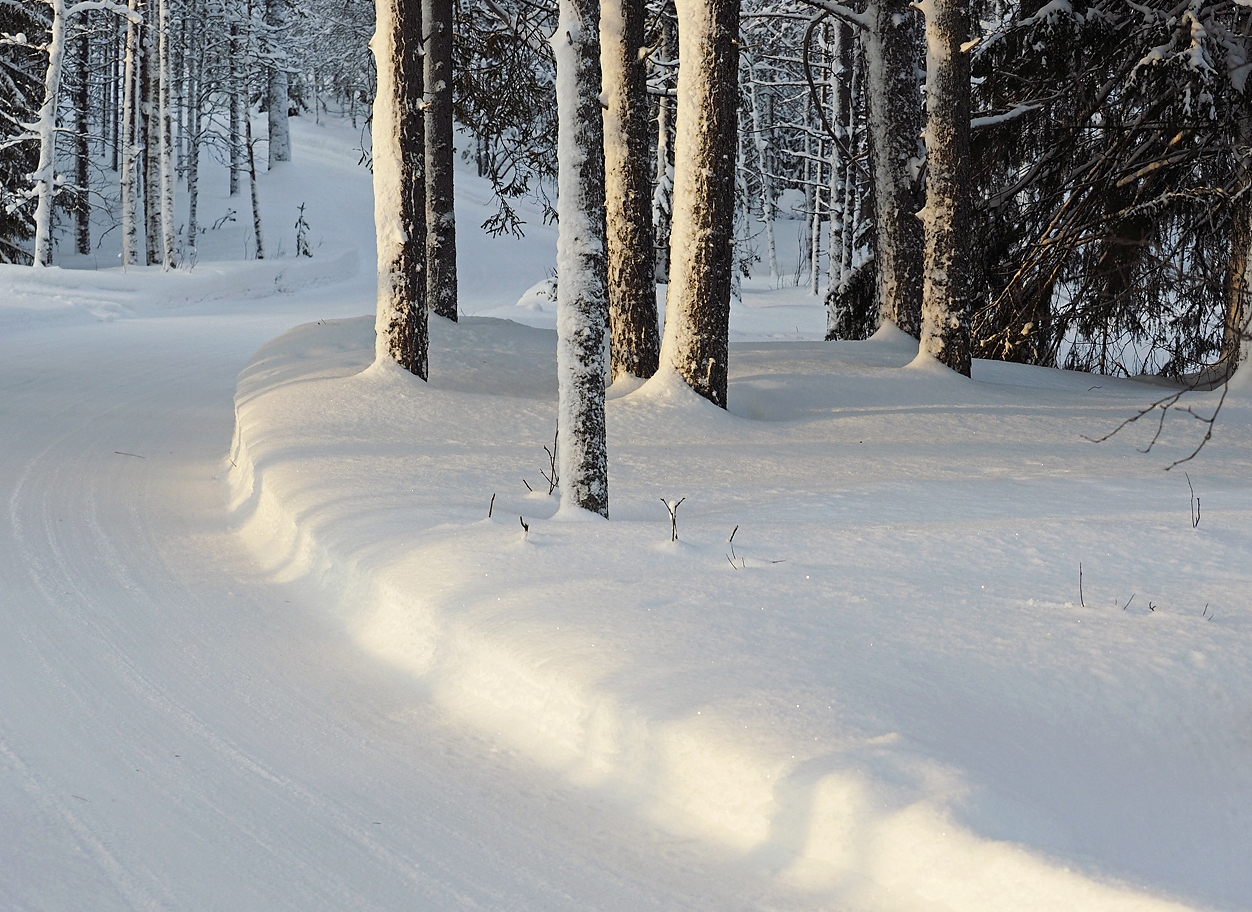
[418, 592]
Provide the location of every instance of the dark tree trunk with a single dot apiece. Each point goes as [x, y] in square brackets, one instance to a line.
[399, 197]
[895, 124]
[697, 318]
[635, 341]
[441, 289]
[82, 156]
[946, 295]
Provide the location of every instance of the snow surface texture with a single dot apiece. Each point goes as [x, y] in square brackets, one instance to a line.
[913, 711]
[889, 694]
[176, 731]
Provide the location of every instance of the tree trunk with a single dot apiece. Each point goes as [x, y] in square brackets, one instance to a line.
[45, 172]
[635, 342]
[82, 156]
[663, 193]
[1235, 331]
[441, 288]
[169, 253]
[276, 98]
[252, 189]
[946, 218]
[582, 296]
[195, 63]
[761, 145]
[399, 191]
[236, 102]
[130, 139]
[150, 140]
[895, 123]
[697, 322]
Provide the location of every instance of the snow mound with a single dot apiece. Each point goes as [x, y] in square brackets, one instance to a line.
[883, 686]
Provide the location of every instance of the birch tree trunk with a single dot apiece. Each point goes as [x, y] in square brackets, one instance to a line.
[150, 139]
[582, 296]
[946, 218]
[130, 137]
[277, 101]
[169, 253]
[441, 286]
[761, 145]
[895, 122]
[399, 190]
[697, 319]
[45, 171]
[635, 341]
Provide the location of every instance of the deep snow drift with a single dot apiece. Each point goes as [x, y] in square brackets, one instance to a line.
[887, 692]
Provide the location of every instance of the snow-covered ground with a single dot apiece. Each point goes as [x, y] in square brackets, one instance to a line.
[282, 658]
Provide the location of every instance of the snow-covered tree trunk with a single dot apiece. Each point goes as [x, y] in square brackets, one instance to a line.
[760, 144]
[582, 297]
[697, 320]
[129, 142]
[895, 123]
[150, 139]
[82, 157]
[838, 254]
[441, 285]
[169, 253]
[276, 98]
[399, 191]
[46, 125]
[946, 218]
[635, 342]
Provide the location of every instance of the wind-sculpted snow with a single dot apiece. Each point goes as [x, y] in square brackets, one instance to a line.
[885, 690]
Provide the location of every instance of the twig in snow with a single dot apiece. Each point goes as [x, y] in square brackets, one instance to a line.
[1080, 600]
[491, 506]
[1129, 600]
[1195, 503]
[136, 455]
[673, 506]
[525, 528]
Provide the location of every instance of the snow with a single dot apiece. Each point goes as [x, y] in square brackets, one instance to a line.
[284, 660]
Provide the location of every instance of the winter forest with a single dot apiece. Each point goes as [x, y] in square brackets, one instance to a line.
[626, 454]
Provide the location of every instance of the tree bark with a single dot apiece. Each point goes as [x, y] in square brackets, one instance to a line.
[45, 172]
[130, 138]
[697, 319]
[169, 253]
[399, 188]
[82, 157]
[277, 101]
[635, 341]
[663, 194]
[1235, 329]
[150, 138]
[582, 296]
[237, 104]
[895, 122]
[441, 285]
[946, 218]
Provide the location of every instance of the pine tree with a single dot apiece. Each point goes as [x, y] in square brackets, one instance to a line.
[697, 321]
[635, 340]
